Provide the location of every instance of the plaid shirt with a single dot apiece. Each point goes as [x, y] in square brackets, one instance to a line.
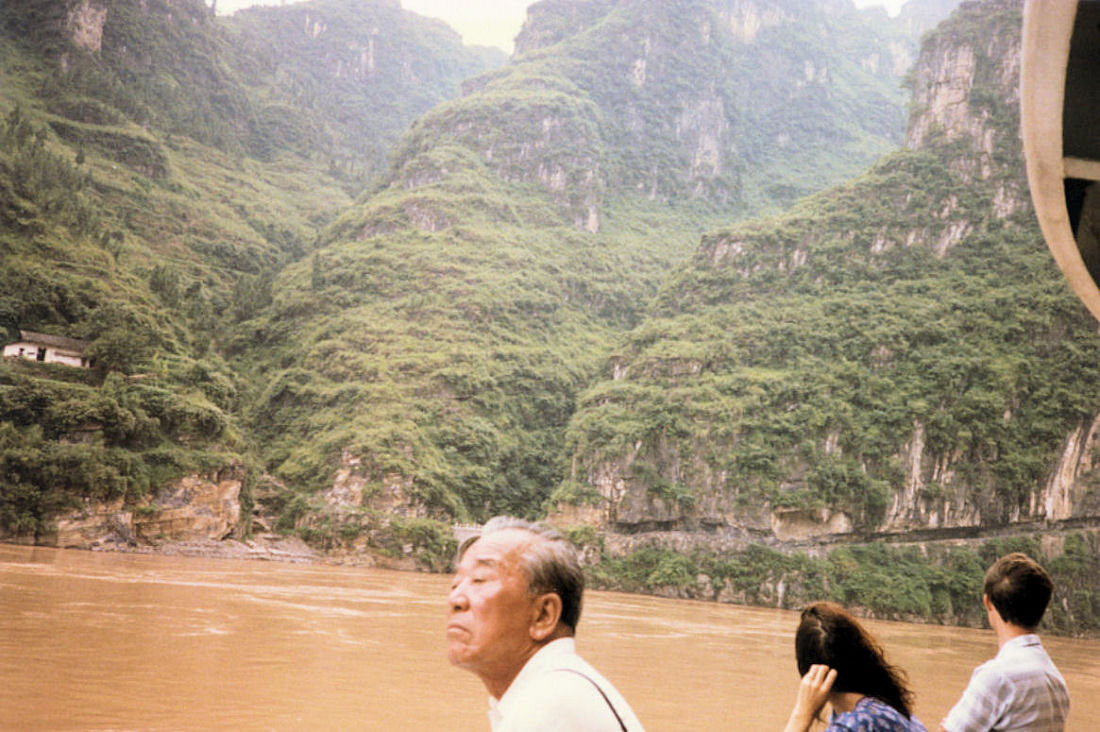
[1019, 689]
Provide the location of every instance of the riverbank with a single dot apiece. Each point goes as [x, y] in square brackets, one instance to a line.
[926, 582]
[274, 549]
[266, 547]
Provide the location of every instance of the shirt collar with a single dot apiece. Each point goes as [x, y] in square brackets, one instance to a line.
[1020, 641]
[546, 656]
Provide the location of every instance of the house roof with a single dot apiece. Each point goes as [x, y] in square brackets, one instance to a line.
[44, 339]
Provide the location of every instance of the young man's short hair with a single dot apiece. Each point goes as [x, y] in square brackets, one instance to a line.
[1019, 588]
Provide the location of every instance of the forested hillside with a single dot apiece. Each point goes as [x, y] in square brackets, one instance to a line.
[344, 79]
[144, 212]
[685, 277]
[894, 359]
[429, 352]
[794, 359]
[747, 105]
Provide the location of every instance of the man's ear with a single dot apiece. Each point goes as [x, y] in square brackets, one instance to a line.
[991, 612]
[545, 615]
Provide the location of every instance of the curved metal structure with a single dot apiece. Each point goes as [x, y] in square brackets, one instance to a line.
[1060, 123]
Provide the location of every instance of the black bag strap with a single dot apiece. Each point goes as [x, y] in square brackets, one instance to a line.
[622, 724]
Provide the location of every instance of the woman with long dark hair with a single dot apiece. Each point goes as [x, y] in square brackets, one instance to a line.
[842, 664]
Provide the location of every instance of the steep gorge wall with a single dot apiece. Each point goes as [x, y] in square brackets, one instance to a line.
[194, 508]
[455, 308]
[940, 468]
[707, 101]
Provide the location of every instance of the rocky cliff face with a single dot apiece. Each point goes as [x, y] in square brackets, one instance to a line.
[85, 24]
[346, 78]
[335, 77]
[549, 136]
[153, 62]
[357, 486]
[707, 100]
[966, 95]
[553, 21]
[456, 307]
[1070, 492]
[192, 509]
[806, 378]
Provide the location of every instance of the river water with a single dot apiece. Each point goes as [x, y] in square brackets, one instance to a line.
[95, 641]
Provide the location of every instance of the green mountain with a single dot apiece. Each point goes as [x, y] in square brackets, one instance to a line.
[134, 218]
[348, 278]
[346, 78]
[894, 359]
[794, 359]
[429, 353]
[747, 105]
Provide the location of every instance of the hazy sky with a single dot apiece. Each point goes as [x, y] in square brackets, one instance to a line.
[481, 22]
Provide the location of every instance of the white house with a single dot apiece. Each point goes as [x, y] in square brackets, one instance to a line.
[48, 349]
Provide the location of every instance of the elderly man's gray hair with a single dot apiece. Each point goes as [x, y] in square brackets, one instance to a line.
[552, 564]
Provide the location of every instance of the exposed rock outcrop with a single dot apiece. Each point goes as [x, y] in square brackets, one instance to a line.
[192, 508]
[356, 486]
[1071, 490]
[85, 25]
[745, 18]
[967, 93]
[948, 471]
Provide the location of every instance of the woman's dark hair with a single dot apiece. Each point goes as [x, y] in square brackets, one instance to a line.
[828, 634]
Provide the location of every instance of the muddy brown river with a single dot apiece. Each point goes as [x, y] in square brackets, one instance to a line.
[98, 641]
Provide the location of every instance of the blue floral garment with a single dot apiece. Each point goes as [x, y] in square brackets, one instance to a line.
[871, 715]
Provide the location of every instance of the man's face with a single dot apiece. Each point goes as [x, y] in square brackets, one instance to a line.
[490, 613]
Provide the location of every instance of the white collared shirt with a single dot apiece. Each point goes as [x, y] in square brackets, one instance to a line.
[548, 695]
[1019, 689]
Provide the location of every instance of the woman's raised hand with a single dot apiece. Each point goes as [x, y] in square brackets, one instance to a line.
[813, 692]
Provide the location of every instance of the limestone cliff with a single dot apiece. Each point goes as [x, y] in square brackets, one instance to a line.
[85, 23]
[812, 378]
[966, 96]
[449, 317]
[192, 508]
[346, 78]
[707, 100]
[552, 21]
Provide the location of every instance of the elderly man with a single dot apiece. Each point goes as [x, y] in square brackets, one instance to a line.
[514, 606]
[1020, 688]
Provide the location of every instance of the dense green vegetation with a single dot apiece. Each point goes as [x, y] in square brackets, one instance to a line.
[133, 219]
[64, 440]
[66, 266]
[801, 358]
[337, 80]
[159, 64]
[935, 583]
[438, 336]
[345, 79]
[438, 331]
[461, 379]
[858, 345]
[292, 244]
[803, 100]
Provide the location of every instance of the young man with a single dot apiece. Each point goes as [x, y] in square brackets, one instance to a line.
[1020, 689]
[513, 609]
